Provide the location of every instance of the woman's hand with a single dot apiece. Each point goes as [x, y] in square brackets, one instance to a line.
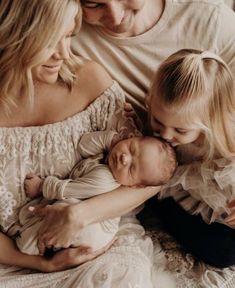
[231, 217]
[59, 228]
[71, 257]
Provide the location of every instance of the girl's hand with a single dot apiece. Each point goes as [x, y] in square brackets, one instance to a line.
[129, 111]
[71, 257]
[59, 228]
[230, 219]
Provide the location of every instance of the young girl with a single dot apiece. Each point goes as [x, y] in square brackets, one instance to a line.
[192, 106]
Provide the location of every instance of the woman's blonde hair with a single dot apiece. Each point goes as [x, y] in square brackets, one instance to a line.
[28, 30]
[199, 87]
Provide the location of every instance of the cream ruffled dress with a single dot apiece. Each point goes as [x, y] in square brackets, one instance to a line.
[203, 187]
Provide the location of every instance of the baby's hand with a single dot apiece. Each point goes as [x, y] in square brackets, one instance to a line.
[33, 185]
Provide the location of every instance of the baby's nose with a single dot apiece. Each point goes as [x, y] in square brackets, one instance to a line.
[125, 159]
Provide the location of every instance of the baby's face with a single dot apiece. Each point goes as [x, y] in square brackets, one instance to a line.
[132, 161]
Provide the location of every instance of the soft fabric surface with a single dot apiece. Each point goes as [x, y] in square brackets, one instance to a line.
[133, 261]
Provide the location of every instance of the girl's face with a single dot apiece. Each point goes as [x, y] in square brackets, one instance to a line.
[117, 17]
[171, 126]
[48, 71]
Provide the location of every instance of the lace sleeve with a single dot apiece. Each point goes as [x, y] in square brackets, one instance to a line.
[108, 113]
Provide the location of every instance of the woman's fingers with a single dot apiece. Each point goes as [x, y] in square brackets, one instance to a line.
[39, 211]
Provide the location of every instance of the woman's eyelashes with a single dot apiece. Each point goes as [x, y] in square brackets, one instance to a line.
[92, 5]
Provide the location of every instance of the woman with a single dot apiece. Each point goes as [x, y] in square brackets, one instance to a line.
[48, 99]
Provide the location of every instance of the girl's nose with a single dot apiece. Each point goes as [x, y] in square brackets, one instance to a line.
[114, 13]
[166, 133]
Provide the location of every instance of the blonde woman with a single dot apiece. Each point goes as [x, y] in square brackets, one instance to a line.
[192, 106]
[48, 99]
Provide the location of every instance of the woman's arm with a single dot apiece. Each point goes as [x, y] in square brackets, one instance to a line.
[67, 258]
[10, 255]
[70, 219]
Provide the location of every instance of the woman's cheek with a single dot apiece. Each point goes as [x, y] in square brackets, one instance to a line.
[91, 17]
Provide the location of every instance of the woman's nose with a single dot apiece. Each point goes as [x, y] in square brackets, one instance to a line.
[62, 50]
[114, 13]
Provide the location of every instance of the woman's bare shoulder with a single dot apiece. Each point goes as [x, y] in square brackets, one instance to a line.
[93, 79]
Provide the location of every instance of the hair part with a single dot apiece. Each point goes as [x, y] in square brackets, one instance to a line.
[25, 40]
[199, 86]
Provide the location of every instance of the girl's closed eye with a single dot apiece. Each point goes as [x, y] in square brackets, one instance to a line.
[181, 131]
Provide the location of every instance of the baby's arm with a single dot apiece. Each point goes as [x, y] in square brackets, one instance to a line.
[95, 143]
[33, 185]
[97, 181]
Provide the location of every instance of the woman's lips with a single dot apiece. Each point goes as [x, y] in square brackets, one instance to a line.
[52, 68]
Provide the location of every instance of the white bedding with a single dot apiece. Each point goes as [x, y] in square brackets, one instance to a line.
[134, 261]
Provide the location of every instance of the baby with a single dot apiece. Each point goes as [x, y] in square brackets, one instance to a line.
[135, 162]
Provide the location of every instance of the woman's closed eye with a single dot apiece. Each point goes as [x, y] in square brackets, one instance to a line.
[71, 35]
[92, 5]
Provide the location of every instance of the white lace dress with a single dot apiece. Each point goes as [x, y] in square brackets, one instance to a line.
[52, 150]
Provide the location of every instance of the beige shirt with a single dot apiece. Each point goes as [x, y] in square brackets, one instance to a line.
[199, 24]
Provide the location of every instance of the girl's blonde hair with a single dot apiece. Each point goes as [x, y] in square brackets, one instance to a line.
[28, 32]
[199, 87]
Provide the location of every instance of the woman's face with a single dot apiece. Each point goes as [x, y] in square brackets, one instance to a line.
[116, 16]
[171, 126]
[48, 71]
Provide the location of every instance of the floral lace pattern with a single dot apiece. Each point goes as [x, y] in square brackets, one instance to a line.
[52, 149]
